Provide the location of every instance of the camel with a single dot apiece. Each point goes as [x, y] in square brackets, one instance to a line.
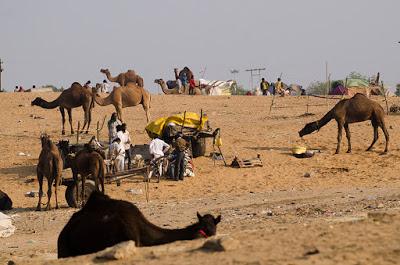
[125, 96]
[119, 221]
[356, 109]
[175, 90]
[50, 166]
[73, 97]
[87, 162]
[124, 79]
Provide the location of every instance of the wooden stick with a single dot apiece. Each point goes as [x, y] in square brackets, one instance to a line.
[308, 99]
[272, 103]
[384, 94]
[183, 123]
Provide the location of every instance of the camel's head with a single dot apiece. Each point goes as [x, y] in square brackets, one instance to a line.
[309, 128]
[104, 71]
[159, 81]
[208, 224]
[45, 140]
[37, 101]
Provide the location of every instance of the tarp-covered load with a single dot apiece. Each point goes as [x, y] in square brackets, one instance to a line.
[192, 120]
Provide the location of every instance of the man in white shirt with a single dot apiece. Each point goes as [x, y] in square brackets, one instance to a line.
[123, 134]
[157, 148]
[112, 127]
[106, 87]
[117, 152]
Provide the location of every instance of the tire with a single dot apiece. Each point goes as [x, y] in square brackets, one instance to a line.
[199, 147]
[70, 193]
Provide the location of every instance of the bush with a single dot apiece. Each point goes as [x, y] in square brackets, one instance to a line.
[317, 88]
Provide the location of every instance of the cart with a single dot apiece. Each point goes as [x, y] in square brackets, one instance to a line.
[110, 177]
[70, 193]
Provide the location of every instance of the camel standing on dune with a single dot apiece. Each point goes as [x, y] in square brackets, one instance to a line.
[356, 109]
[118, 221]
[175, 90]
[73, 97]
[124, 79]
[125, 96]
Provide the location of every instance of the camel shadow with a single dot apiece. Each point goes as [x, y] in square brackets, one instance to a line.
[21, 171]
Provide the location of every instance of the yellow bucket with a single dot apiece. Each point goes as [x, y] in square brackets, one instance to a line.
[298, 150]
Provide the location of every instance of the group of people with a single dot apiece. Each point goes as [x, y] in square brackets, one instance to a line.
[185, 81]
[104, 87]
[120, 146]
[120, 143]
[272, 88]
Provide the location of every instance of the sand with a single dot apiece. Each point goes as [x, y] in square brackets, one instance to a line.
[274, 212]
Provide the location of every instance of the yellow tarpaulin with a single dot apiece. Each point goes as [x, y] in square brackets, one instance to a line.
[192, 120]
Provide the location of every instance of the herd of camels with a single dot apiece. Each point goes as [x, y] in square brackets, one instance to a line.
[129, 93]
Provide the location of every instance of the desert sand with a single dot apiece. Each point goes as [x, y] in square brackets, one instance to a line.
[346, 212]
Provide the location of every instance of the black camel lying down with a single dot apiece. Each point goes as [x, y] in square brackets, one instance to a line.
[104, 222]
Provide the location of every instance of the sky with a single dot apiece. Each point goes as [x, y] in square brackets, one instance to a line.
[59, 42]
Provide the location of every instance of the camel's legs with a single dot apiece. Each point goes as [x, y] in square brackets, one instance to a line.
[146, 109]
[376, 135]
[49, 184]
[347, 130]
[70, 120]
[83, 190]
[386, 133]
[55, 191]
[40, 180]
[339, 137]
[85, 118]
[118, 108]
[62, 119]
[89, 118]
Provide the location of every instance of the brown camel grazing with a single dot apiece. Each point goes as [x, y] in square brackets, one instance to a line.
[126, 96]
[173, 91]
[73, 97]
[356, 109]
[87, 162]
[117, 221]
[124, 79]
[50, 166]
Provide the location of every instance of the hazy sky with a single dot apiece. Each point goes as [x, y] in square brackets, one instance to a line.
[59, 42]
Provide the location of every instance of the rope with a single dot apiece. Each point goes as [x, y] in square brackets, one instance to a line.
[325, 97]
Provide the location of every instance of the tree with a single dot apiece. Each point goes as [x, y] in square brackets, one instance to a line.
[317, 88]
[356, 75]
[397, 90]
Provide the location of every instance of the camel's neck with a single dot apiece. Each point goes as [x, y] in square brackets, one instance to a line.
[156, 236]
[102, 101]
[164, 88]
[324, 120]
[110, 78]
[48, 105]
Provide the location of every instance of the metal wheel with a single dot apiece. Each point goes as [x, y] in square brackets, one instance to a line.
[70, 193]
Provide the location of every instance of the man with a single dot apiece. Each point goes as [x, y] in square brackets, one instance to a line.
[279, 87]
[180, 146]
[112, 127]
[123, 134]
[117, 153]
[264, 85]
[105, 87]
[158, 148]
[87, 85]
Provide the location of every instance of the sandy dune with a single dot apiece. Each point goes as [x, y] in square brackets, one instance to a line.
[328, 211]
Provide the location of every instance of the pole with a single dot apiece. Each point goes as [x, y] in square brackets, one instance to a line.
[254, 72]
[1, 70]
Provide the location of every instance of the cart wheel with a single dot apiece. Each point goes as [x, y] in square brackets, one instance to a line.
[199, 147]
[70, 193]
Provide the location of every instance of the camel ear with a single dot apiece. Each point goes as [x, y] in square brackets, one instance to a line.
[217, 220]
[199, 216]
